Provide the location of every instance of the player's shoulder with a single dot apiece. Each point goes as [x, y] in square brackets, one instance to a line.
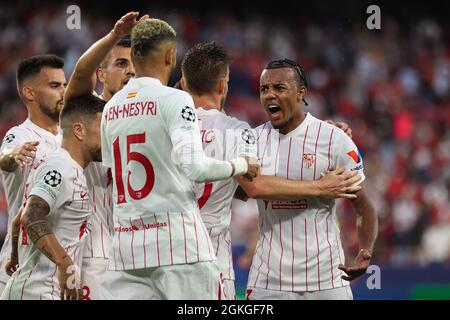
[265, 126]
[17, 134]
[60, 161]
[222, 120]
[175, 95]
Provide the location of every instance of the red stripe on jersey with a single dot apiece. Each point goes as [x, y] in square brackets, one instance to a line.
[185, 244]
[103, 245]
[196, 237]
[93, 199]
[331, 256]
[265, 146]
[170, 239]
[289, 158]
[340, 260]
[276, 157]
[210, 230]
[329, 147]
[306, 253]
[157, 239]
[24, 283]
[229, 256]
[120, 251]
[218, 244]
[261, 131]
[293, 255]
[37, 134]
[318, 251]
[12, 284]
[268, 257]
[132, 244]
[261, 258]
[304, 140]
[281, 257]
[143, 244]
[207, 238]
[315, 153]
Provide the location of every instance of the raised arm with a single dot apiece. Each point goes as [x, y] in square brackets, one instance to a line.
[34, 218]
[83, 78]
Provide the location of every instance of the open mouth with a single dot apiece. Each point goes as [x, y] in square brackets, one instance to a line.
[273, 108]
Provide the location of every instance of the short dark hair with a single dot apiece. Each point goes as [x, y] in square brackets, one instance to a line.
[80, 109]
[33, 65]
[148, 34]
[124, 43]
[203, 66]
[299, 73]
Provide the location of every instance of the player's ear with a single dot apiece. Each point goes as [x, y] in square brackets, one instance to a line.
[28, 93]
[171, 56]
[101, 74]
[222, 86]
[301, 93]
[183, 84]
[79, 131]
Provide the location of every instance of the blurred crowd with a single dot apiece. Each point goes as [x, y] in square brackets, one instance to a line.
[392, 86]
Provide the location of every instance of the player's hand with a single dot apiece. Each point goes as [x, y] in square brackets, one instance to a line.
[360, 266]
[341, 125]
[253, 168]
[69, 282]
[11, 265]
[337, 184]
[25, 153]
[123, 26]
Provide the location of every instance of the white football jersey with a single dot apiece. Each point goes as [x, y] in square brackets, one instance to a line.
[59, 180]
[224, 138]
[299, 247]
[14, 182]
[156, 217]
[100, 226]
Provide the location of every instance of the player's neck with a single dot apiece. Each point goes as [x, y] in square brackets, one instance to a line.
[76, 152]
[153, 72]
[293, 122]
[44, 122]
[207, 102]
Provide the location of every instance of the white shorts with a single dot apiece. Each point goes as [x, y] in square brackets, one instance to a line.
[341, 293]
[195, 281]
[92, 278]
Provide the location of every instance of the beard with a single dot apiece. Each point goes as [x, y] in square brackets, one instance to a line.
[51, 113]
[96, 154]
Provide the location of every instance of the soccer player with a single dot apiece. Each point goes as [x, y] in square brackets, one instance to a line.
[111, 58]
[40, 84]
[205, 74]
[299, 253]
[151, 140]
[57, 207]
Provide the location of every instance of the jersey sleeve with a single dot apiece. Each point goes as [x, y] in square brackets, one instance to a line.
[245, 142]
[51, 183]
[13, 138]
[105, 144]
[348, 155]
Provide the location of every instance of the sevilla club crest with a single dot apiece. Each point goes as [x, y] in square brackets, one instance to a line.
[308, 159]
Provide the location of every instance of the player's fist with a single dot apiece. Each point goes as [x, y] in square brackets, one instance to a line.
[25, 153]
[360, 266]
[11, 265]
[69, 281]
[253, 168]
[123, 26]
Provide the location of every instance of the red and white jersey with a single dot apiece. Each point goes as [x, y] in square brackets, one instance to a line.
[156, 217]
[14, 182]
[100, 225]
[299, 247]
[59, 180]
[224, 138]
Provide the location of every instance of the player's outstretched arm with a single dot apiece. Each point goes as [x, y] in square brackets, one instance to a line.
[20, 156]
[13, 262]
[335, 184]
[34, 218]
[83, 78]
[367, 225]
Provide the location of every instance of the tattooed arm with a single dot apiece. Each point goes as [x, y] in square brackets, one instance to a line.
[34, 218]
